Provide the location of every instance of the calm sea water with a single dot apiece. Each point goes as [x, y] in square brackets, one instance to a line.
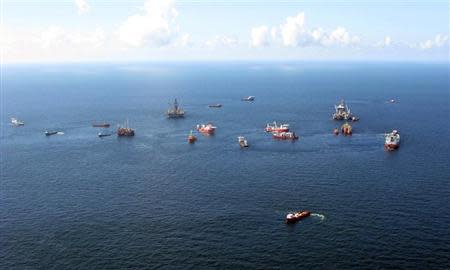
[76, 201]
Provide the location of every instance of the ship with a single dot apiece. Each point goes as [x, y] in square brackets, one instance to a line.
[49, 133]
[101, 135]
[175, 111]
[125, 131]
[285, 135]
[297, 216]
[277, 128]
[342, 112]
[346, 129]
[336, 131]
[242, 141]
[249, 98]
[206, 129]
[392, 140]
[191, 138]
[16, 122]
[102, 125]
[218, 105]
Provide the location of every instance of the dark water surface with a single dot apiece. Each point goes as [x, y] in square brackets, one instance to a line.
[76, 201]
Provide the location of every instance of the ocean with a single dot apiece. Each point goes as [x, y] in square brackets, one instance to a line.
[76, 201]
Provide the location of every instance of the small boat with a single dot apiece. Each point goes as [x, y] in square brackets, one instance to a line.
[218, 105]
[242, 141]
[297, 216]
[175, 111]
[392, 140]
[249, 98]
[101, 135]
[206, 129]
[102, 125]
[16, 122]
[277, 128]
[49, 133]
[346, 129]
[191, 138]
[354, 118]
[392, 101]
[336, 131]
[125, 131]
[285, 135]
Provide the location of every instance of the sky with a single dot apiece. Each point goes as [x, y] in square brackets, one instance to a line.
[189, 30]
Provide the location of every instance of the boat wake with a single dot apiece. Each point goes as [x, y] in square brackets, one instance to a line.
[60, 133]
[320, 216]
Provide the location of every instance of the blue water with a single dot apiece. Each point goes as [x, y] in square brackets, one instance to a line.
[76, 201]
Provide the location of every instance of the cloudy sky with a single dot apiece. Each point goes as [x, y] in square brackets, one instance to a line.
[124, 30]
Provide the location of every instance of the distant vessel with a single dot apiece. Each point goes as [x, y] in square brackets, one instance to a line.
[103, 125]
[191, 138]
[297, 216]
[336, 131]
[125, 131]
[392, 140]
[392, 101]
[242, 141]
[277, 128]
[49, 133]
[342, 112]
[249, 98]
[206, 129]
[175, 111]
[218, 105]
[101, 135]
[285, 135]
[346, 129]
[16, 122]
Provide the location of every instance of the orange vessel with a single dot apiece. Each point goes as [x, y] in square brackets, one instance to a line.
[206, 129]
[297, 216]
[191, 138]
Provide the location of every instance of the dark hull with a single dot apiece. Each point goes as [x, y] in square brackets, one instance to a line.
[49, 133]
[101, 125]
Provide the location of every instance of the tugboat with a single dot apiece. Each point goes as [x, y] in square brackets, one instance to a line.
[191, 138]
[249, 98]
[342, 112]
[101, 135]
[175, 111]
[102, 125]
[206, 129]
[346, 129]
[297, 216]
[49, 133]
[336, 131]
[392, 140]
[125, 131]
[285, 135]
[242, 141]
[275, 128]
[16, 122]
[218, 105]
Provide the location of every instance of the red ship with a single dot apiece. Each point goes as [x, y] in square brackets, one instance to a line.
[206, 129]
[285, 135]
[297, 216]
[277, 128]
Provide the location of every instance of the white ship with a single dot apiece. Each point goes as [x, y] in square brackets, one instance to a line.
[392, 140]
[342, 112]
[16, 122]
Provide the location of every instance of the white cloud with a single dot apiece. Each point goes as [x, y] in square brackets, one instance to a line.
[439, 41]
[58, 37]
[293, 33]
[260, 36]
[185, 40]
[82, 6]
[387, 41]
[156, 26]
[222, 41]
[292, 30]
